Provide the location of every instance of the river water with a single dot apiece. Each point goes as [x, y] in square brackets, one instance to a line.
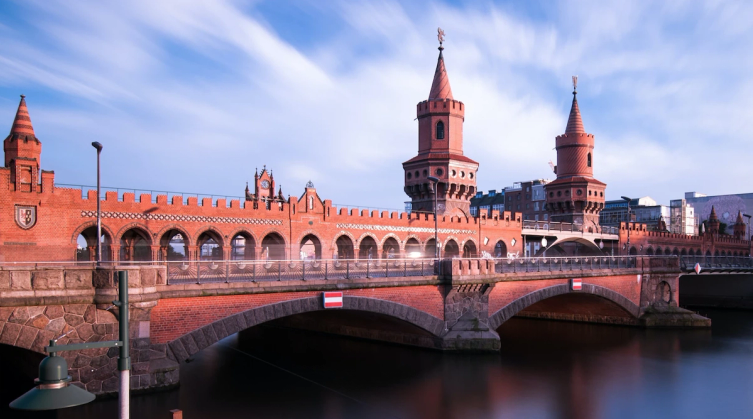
[546, 369]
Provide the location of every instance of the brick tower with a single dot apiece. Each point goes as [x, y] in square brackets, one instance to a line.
[22, 152]
[440, 152]
[575, 196]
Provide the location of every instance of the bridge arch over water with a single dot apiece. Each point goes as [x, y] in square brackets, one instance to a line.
[607, 295]
[192, 342]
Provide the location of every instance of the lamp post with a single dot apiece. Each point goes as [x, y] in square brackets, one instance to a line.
[627, 246]
[747, 237]
[98, 146]
[435, 182]
[53, 390]
[543, 243]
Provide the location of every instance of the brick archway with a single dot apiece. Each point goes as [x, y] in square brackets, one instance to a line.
[508, 311]
[193, 342]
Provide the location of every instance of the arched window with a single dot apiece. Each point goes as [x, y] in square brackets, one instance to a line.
[440, 130]
[311, 202]
[589, 159]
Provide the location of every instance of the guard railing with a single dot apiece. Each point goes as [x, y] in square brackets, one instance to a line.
[557, 227]
[716, 263]
[296, 270]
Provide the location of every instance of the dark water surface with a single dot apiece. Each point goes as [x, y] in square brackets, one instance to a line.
[546, 369]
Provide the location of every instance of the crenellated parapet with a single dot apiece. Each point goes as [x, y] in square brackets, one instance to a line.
[649, 242]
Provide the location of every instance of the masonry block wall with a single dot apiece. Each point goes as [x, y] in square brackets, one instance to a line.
[174, 317]
[63, 214]
[73, 305]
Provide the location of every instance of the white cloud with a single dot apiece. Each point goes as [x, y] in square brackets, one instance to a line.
[193, 95]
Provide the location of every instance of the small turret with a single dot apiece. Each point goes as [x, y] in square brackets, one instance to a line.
[713, 222]
[739, 227]
[23, 151]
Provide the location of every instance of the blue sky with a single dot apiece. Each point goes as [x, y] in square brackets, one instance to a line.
[194, 95]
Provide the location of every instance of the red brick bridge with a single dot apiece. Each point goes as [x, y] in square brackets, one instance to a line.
[456, 305]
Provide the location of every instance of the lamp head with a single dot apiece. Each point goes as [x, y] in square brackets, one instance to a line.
[626, 198]
[53, 390]
[433, 179]
[97, 145]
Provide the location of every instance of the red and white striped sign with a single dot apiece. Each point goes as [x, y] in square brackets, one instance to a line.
[333, 299]
[576, 284]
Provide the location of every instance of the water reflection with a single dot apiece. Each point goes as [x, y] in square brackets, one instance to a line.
[546, 369]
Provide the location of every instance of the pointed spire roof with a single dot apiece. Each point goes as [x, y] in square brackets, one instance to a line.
[440, 87]
[712, 216]
[22, 122]
[574, 122]
[739, 218]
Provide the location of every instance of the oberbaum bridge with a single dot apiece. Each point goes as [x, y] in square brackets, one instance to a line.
[201, 270]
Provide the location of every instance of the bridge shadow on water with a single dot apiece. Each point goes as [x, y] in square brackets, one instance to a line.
[546, 369]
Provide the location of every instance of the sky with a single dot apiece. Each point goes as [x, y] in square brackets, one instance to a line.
[193, 96]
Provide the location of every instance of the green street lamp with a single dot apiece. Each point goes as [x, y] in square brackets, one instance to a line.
[53, 390]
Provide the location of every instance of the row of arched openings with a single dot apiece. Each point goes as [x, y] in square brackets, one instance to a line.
[135, 245]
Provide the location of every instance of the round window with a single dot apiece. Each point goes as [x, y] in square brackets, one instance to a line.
[551, 194]
[559, 193]
[589, 193]
[440, 172]
[470, 175]
[601, 194]
[426, 172]
[462, 174]
[579, 192]
[409, 175]
[454, 173]
[567, 192]
[416, 174]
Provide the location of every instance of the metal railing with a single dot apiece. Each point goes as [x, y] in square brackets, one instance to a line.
[564, 264]
[200, 272]
[716, 263]
[565, 227]
[215, 271]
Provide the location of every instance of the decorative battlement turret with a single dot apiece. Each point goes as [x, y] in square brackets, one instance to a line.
[440, 151]
[713, 222]
[23, 152]
[264, 189]
[739, 227]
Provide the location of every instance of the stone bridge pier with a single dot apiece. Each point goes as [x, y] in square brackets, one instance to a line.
[75, 305]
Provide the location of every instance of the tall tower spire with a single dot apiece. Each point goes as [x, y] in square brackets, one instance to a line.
[23, 151]
[575, 196]
[574, 122]
[440, 151]
[440, 87]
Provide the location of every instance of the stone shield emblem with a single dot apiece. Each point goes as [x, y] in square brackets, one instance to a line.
[26, 217]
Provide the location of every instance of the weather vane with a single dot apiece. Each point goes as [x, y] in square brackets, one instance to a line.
[440, 36]
[575, 83]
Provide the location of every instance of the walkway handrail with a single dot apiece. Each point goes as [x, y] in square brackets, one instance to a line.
[555, 226]
[716, 263]
[216, 271]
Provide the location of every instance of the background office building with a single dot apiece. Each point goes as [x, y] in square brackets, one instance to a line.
[643, 210]
[485, 203]
[528, 199]
[726, 207]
